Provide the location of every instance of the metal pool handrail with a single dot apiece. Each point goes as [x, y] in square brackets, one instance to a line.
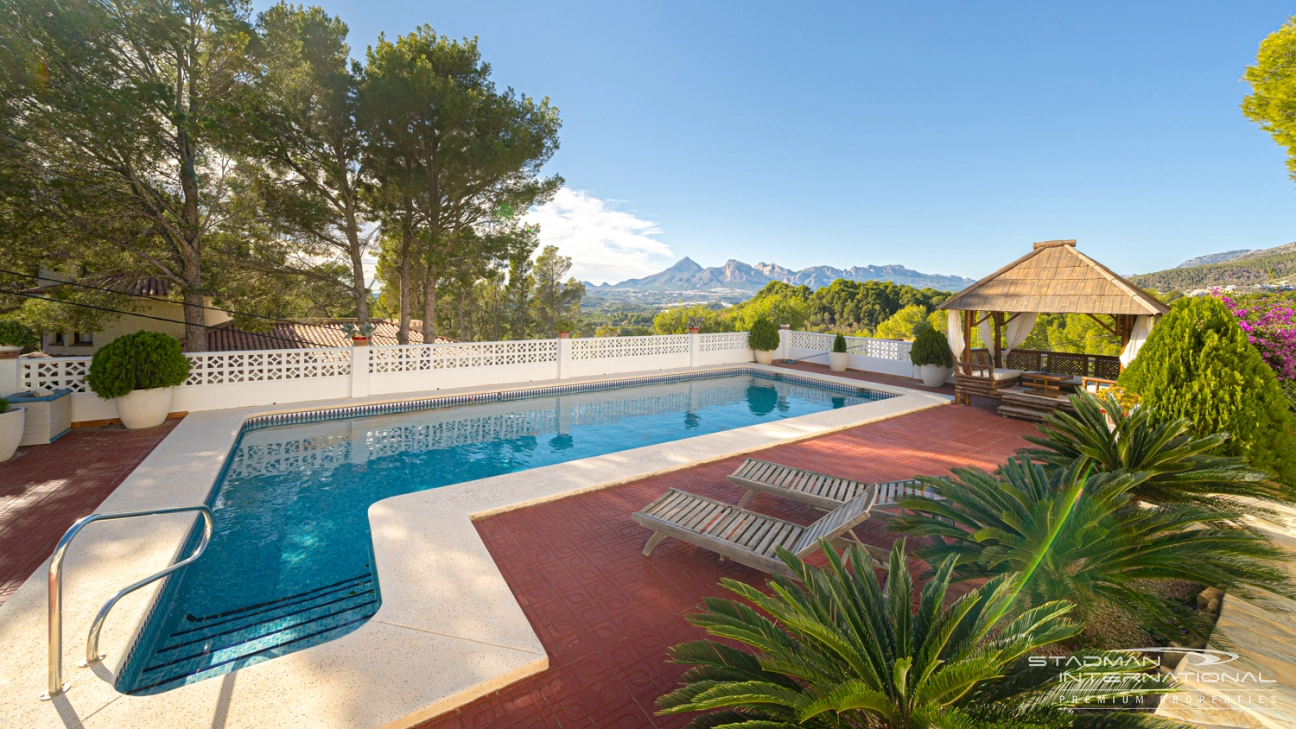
[56, 685]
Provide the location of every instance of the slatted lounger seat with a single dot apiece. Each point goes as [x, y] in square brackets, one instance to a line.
[816, 489]
[745, 536]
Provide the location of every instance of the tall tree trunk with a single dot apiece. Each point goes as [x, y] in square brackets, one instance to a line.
[429, 304]
[190, 245]
[463, 335]
[357, 269]
[407, 245]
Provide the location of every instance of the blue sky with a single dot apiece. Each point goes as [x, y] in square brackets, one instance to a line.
[943, 136]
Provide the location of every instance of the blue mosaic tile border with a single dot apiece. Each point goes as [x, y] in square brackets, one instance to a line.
[404, 406]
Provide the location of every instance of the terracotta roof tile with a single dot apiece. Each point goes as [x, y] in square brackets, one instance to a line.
[304, 334]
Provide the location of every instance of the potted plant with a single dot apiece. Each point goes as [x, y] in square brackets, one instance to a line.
[763, 339]
[14, 338]
[12, 422]
[359, 333]
[138, 371]
[931, 353]
[838, 358]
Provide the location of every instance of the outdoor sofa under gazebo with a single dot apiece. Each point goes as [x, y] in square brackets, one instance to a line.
[1054, 278]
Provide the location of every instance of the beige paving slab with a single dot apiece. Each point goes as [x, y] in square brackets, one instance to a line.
[448, 630]
[1257, 690]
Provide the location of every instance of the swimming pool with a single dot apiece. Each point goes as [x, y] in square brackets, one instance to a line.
[290, 564]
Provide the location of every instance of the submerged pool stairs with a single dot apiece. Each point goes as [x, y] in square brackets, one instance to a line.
[206, 646]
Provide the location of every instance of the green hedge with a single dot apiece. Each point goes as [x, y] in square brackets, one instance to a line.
[139, 361]
[764, 336]
[930, 348]
[1198, 364]
[14, 334]
[4, 406]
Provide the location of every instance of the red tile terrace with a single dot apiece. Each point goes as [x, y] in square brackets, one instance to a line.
[605, 613]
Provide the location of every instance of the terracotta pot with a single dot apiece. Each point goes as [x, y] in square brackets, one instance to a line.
[11, 430]
[763, 357]
[144, 408]
[360, 341]
[837, 361]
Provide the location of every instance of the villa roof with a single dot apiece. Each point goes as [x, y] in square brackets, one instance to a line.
[122, 283]
[1055, 278]
[305, 334]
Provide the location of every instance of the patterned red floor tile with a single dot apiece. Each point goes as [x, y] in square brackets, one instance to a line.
[606, 614]
[44, 489]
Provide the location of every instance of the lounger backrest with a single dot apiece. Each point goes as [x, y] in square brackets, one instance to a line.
[836, 522]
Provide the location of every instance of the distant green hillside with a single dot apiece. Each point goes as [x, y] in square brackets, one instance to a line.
[1274, 265]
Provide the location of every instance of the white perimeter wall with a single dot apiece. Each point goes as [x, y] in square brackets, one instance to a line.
[219, 380]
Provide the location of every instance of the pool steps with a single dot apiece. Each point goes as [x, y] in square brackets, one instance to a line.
[211, 645]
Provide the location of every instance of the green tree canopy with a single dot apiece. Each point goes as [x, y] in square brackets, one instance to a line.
[678, 320]
[120, 115]
[1272, 102]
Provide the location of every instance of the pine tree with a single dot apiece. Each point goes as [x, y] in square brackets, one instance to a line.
[1198, 364]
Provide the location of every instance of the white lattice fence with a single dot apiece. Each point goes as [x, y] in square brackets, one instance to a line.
[424, 357]
[223, 368]
[55, 373]
[815, 341]
[615, 347]
[879, 348]
[722, 342]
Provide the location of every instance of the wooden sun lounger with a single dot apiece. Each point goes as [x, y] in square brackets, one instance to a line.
[745, 536]
[816, 489]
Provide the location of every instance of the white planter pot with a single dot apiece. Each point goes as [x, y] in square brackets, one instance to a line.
[144, 408]
[11, 431]
[837, 361]
[934, 375]
[764, 357]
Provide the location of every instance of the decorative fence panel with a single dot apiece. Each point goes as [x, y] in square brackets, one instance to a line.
[56, 373]
[415, 367]
[885, 356]
[223, 368]
[722, 348]
[616, 355]
[236, 379]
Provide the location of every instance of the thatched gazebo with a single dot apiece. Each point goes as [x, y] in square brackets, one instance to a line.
[1054, 278]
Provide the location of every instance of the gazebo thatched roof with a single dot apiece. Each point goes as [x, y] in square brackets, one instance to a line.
[1055, 278]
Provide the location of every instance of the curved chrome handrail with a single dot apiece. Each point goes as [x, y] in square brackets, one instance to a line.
[56, 684]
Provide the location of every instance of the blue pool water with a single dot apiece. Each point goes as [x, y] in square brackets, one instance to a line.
[290, 563]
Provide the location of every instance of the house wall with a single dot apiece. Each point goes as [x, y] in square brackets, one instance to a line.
[129, 324]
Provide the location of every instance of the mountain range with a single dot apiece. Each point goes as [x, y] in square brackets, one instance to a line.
[736, 277]
[1237, 267]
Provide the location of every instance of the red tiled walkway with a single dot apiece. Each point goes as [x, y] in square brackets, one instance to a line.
[606, 614]
[44, 489]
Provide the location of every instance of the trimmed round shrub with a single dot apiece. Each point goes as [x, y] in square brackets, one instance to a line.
[14, 334]
[839, 344]
[1197, 364]
[930, 348]
[764, 336]
[139, 361]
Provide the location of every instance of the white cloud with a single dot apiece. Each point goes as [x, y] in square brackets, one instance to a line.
[604, 244]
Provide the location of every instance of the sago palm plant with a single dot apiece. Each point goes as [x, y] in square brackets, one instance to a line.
[1180, 466]
[1100, 550]
[837, 651]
